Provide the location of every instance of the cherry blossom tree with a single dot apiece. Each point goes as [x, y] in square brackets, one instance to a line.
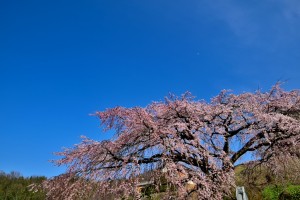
[183, 140]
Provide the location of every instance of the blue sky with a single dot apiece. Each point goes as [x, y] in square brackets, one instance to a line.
[63, 60]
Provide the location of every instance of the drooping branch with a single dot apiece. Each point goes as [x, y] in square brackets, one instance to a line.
[182, 140]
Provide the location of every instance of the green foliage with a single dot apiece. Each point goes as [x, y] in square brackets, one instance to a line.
[291, 192]
[272, 192]
[150, 190]
[13, 186]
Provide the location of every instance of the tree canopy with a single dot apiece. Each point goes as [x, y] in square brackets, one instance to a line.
[183, 140]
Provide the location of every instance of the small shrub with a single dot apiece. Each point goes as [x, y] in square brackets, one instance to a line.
[292, 192]
[275, 192]
[272, 192]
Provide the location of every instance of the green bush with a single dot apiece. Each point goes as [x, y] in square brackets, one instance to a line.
[272, 192]
[275, 192]
[292, 192]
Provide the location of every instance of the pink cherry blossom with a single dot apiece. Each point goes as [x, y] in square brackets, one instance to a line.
[183, 140]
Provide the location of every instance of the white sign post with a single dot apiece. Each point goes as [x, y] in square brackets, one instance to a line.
[241, 194]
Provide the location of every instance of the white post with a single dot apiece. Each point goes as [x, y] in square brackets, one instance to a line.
[240, 193]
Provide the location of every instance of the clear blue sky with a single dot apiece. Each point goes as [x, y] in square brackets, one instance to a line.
[63, 60]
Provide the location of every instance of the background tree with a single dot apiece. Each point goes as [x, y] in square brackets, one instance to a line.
[184, 140]
[15, 186]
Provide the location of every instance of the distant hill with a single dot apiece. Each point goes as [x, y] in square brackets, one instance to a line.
[259, 180]
[14, 186]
